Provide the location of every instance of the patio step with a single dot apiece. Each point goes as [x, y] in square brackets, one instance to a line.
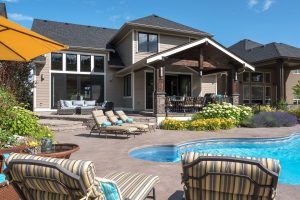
[61, 125]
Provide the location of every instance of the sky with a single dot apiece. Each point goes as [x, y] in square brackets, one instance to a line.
[229, 21]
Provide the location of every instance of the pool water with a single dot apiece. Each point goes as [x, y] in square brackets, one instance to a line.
[286, 150]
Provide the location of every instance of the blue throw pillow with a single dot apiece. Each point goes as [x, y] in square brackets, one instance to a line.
[129, 120]
[110, 191]
[105, 124]
[2, 178]
[5, 156]
[119, 122]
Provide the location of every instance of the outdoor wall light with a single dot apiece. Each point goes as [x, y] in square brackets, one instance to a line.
[235, 76]
[161, 72]
[200, 73]
[42, 77]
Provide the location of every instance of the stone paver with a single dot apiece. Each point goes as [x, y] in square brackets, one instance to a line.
[112, 155]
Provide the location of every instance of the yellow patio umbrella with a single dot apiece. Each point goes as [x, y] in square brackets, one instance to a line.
[20, 44]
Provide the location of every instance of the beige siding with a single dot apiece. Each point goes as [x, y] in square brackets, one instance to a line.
[114, 87]
[291, 81]
[124, 48]
[170, 41]
[209, 84]
[42, 88]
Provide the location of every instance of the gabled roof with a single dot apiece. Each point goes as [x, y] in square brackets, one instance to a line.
[255, 52]
[159, 22]
[3, 10]
[74, 35]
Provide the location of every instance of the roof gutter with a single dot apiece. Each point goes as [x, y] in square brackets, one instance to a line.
[91, 48]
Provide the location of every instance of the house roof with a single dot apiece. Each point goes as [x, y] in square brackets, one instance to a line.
[255, 52]
[3, 10]
[159, 22]
[74, 35]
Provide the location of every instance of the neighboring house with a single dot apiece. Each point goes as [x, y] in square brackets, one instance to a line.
[135, 66]
[276, 72]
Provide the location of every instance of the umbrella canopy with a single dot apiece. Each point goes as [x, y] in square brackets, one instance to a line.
[20, 44]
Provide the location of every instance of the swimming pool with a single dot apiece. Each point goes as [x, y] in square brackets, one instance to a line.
[286, 149]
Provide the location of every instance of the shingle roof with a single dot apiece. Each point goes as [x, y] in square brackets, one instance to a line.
[3, 10]
[154, 20]
[255, 52]
[73, 34]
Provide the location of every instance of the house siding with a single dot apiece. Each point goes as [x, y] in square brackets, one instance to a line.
[114, 89]
[139, 90]
[291, 81]
[124, 48]
[42, 87]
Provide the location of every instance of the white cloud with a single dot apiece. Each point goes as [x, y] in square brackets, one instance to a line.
[267, 4]
[252, 3]
[19, 17]
[114, 18]
[10, 1]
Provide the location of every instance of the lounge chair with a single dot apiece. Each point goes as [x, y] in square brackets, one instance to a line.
[102, 126]
[113, 119]
[207, 176]
[126, 119]
[35, 178]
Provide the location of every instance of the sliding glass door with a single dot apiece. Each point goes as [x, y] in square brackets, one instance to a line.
[76, 87]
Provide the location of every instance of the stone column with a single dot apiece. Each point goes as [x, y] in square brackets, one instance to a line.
[159, 91]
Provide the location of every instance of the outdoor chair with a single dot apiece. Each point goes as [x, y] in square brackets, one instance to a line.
[35, 178]
[188, 104]
[208, 176]
[127, 119]
[169, 105]
[102, 125]
[114, 119]
[198, 103]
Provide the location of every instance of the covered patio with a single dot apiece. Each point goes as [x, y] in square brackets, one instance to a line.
[177, 75]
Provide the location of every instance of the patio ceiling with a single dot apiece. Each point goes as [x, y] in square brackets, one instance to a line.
[205, 53]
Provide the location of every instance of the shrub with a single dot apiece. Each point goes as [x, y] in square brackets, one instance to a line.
[282, 105]
[17, 120]
[226, 110]
[273, 119]
[199, 125]
[295, 112]
[267, 108]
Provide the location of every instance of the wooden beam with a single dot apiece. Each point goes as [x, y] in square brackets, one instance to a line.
[188, 63]
[201, 60]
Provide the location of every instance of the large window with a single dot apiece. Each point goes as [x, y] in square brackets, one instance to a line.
[246, 93]
[99, 64]
[257, 94]
[127, 85]
[76, 87]
[56, 61]
[147, 42]
[257, 77]
[71, 62]
[85, 63]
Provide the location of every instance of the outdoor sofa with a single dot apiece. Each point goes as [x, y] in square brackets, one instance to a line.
[83, 107]
[35, 177]
[207, 176]
[103, 126]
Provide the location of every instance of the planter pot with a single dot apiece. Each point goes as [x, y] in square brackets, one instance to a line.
[16, 149]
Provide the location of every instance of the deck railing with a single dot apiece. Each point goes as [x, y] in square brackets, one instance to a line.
[180, 104]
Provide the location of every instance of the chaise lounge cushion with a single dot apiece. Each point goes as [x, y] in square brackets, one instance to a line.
[230, 186]
[44, 187]
[133, 186]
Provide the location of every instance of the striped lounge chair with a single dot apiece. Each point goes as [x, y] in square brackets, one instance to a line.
[114, 119]
[213, 177]
[124, 118]
[99, 128]
[41, 178]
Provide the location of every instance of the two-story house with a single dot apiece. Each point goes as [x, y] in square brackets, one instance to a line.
[136, 66]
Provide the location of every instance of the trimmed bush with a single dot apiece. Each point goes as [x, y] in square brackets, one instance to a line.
[295, 112]
[272, 119]
[267, 108]
[226, 110]
[199, 125]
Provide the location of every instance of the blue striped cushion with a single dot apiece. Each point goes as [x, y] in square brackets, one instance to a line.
[2, 178]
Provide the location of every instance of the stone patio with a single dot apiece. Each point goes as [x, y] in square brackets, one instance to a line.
[112, 155]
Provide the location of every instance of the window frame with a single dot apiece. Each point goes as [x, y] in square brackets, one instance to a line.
[127, 91]
[138, 42]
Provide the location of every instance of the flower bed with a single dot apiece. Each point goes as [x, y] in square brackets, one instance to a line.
[199, 125]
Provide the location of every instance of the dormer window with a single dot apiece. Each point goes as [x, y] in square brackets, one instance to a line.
[147, 42]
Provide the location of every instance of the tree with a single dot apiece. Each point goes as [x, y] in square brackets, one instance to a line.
[16, 78]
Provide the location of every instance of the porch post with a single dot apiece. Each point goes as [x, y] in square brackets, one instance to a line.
[234, 86]
[159, 91]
